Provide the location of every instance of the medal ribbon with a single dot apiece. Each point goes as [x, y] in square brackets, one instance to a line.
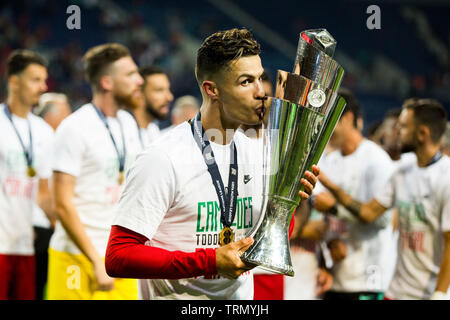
[120, 155]
[227, 201]
[435, 159]
[28, 152]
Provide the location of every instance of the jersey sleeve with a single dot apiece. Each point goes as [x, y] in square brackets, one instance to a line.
[68, 149]
[378, 174]
[445, 218]
[148, 193]
[386, 194]
[127, 256]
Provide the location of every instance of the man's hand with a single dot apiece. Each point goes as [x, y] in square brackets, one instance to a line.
[324, 201]
[103, 281]
[309, 182]
[228, 258]
[324, 281]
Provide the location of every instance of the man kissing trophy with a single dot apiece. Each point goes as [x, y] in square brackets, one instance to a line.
[303, 115]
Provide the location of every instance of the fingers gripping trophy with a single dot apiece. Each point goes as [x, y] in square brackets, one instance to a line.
[303, 115]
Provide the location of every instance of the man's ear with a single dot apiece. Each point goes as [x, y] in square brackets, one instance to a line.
[106, 83]
[423, 133]
[13, 82]
[348, 118]
[210, 89]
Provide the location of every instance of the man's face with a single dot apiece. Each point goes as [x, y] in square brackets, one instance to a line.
[31, 84]
[391, 133]
[127, 82]
[240, 91]
[157, 95]
[407, 127]
[344, 125]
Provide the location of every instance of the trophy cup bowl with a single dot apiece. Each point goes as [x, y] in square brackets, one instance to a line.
[303, 115]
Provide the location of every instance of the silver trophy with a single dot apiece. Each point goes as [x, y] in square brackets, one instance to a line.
[303, 115]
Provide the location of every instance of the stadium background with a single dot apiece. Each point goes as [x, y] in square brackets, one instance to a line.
[408, 56]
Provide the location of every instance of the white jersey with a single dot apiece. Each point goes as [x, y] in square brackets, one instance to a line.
[422, 198]
[84, 149]
[150, 134]
[169, 198]
[361, 174]
[18, 191]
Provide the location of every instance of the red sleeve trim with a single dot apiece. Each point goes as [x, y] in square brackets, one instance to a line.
[291, 226]
[127, 256]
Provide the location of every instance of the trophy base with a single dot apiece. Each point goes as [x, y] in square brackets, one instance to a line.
[271, 247]
[284, 270]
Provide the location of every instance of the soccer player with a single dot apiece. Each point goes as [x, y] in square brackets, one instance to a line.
[174, 225]
[53, 107]
[94, 146]
[25, 167]
[155, 103]
[420, 190]
[359, 251]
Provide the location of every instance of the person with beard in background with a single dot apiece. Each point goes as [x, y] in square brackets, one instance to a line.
[420, 190]
[25, 168]
[94, 146]
[154, 105]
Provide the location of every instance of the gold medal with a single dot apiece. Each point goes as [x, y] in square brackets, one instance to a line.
[226, 236]
[31, 172]
[121, 177]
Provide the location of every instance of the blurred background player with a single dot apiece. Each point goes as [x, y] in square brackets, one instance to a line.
[94, 146]
[359, 251]
[25, 167]
[184, 108]
[154, 105]
[419, 189]
[53, 107]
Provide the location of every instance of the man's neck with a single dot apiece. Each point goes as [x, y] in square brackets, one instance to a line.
[213, 119]
[425, 153]
[351, 143]
[17, 108]
[106, 103]
[143, 118]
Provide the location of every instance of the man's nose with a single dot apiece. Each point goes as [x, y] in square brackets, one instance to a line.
[260, 94]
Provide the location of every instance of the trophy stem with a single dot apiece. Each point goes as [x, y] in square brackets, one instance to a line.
[271, 247]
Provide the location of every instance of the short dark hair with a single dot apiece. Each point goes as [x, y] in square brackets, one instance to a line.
[431, 113]
[392, 113]
[222, 47]
[352, 105]
[99, 58]
[20, 59]
[146, 71]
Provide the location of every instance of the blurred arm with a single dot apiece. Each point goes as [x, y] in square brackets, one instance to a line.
[44, 200]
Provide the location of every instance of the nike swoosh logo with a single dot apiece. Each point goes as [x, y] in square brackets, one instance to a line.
[247, 179]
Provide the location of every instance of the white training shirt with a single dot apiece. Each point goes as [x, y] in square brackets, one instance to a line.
[150, 134]
[18, 191]
[361, 174]
[84, 149]
[169, 198]
[422, 198]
